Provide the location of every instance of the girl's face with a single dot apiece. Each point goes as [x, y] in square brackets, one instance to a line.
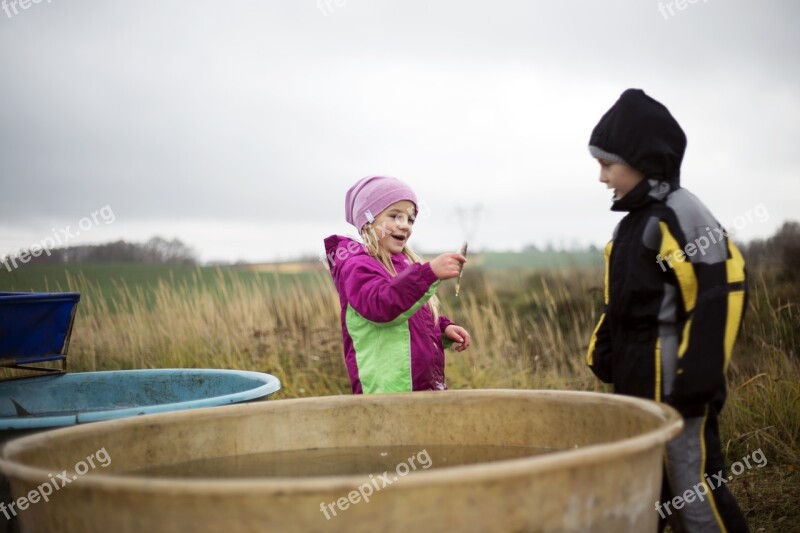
[621, 178]
[393, 226]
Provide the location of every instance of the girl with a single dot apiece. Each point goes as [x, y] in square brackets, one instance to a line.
[391, 327]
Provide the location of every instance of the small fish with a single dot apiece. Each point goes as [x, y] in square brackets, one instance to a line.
[463, 252]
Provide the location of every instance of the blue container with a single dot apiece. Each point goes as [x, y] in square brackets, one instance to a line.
[35, 327]
[66, 399]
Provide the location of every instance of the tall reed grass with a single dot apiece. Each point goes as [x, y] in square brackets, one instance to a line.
[531, 333]
[530, 330]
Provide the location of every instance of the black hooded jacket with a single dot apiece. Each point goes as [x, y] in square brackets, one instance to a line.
[675, 283]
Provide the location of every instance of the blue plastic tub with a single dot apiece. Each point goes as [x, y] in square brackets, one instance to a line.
[67, 399]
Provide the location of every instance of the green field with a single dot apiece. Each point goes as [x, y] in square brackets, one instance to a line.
[113, 280]
[109, 276]
[540, 259]
[116, 281]
[34, 275]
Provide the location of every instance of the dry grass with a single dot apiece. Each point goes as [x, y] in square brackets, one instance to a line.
[529, 331]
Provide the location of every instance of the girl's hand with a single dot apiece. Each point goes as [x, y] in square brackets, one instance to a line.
[448, 265]
[458, 335]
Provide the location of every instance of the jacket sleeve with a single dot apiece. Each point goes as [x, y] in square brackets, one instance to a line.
[443, 323]
[599, 356]
[708, 318]
[380, 299]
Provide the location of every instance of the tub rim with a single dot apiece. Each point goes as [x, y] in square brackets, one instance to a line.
[299, 486]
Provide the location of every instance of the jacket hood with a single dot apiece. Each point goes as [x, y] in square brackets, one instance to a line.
[338, 248]
[642, 131]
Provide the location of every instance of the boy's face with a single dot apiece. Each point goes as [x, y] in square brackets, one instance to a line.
[622, 178]
[393, 226]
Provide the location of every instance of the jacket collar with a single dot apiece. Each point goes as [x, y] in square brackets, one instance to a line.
[645, 193]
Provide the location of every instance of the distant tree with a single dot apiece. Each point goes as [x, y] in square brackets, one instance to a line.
[155, 251]
[161, 251]
[787, 245]
[781, 251]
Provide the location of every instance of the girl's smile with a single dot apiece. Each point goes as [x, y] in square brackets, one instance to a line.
[394, 225]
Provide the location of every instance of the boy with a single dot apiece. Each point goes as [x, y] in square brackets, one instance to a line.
[674, 300]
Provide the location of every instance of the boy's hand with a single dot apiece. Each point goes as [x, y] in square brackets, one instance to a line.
[458, 335]
[448, 265]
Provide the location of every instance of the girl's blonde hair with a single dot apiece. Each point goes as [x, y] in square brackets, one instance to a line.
[370, 238]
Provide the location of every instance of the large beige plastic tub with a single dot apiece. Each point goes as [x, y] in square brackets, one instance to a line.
[607, 478]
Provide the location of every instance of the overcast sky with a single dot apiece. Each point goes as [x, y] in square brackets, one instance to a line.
[238, 126]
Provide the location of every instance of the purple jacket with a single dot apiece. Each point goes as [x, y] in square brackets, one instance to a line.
[391, 343]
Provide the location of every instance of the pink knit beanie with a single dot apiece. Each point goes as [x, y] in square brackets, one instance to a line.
[371, 195]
